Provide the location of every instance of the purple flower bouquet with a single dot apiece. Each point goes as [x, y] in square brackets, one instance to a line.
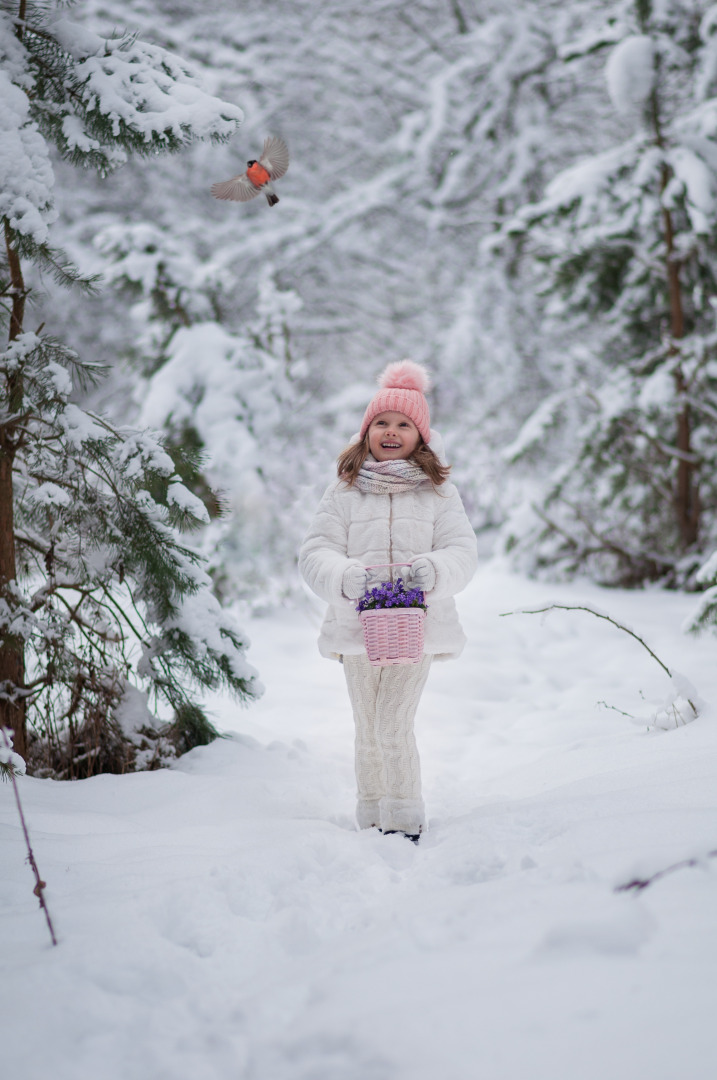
[392, 620]
[391, 594]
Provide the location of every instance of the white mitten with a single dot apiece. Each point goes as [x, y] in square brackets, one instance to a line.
[354, 582]
[423, 575]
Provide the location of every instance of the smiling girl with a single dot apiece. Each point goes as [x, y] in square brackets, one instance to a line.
[391, 504]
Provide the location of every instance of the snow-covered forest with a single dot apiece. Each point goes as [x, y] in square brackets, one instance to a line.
[483, 189]
[523, 198]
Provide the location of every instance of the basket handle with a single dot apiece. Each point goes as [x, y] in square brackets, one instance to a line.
[378, 564]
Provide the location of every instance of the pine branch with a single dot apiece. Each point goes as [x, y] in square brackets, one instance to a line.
[139, 637]
[89, 631]
[52, 261]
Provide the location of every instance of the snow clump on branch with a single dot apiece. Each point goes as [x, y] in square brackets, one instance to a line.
[630, 74]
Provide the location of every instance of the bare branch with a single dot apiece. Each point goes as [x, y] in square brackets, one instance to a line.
[40, 885]
[610, 545]
[638, 884]
[598, 615]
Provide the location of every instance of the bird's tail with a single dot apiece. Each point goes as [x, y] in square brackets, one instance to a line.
[271, 198]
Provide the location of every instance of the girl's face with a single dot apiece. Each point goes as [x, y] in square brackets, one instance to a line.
[392, 435]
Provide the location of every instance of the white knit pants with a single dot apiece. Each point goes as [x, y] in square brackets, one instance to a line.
[388, 772]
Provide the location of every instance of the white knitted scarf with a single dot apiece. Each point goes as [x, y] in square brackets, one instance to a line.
[389, 477]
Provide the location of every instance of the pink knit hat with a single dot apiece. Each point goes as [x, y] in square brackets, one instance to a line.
[403, 386]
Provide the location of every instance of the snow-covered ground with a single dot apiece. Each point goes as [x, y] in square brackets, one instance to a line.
[222, 920]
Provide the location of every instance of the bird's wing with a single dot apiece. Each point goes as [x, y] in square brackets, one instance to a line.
[275, 157]
[239, 189]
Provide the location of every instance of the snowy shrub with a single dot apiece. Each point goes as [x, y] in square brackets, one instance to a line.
[107, 591]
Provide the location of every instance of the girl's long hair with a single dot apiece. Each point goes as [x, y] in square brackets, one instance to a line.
[350, 461]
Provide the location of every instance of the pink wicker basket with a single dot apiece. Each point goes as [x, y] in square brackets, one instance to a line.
[393, 635]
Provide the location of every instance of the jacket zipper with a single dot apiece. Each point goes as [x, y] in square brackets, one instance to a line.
[390, 533]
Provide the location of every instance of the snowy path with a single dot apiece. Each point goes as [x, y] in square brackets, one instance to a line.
[223, 921]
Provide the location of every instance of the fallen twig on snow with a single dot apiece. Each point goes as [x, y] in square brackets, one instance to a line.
[615, 709]
[638, 884]
[40, 884]
[598, 615]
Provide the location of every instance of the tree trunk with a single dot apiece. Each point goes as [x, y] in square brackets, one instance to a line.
[687, 504]
[686, 496]
[12, 660]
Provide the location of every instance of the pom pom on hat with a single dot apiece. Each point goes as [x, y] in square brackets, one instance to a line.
[403, 387]
[405, 375]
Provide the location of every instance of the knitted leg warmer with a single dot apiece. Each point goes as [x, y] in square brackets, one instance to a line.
[362, 682]
[388, 772]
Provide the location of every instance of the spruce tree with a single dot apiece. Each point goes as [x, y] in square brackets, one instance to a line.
[627, 242]
[247, 396]
[107, 618]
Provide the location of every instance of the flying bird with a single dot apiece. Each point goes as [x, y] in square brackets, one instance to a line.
[272, 164]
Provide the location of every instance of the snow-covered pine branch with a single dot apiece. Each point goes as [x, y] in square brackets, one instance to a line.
[102, 98]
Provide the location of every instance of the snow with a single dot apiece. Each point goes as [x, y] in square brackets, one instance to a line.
[708, 572]
[17, 351]
[142, 450]
[630, 73]
[79, 426]
[222, 920]
[657, 390]
[537, 424]
[49, 494]
[706, 600]
[698, 182]
[180, 496]
[8, 755]
[26, 176]
[708, 25]
[133, 714]
[75, 135]
[59, 377]
[204, 385]
[200, 616]
[591, 41]
[77, 40]
[586, 180]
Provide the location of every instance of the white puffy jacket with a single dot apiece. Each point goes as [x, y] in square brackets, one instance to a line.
[353, 527]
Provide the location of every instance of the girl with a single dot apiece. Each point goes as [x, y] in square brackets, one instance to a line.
[391, 503]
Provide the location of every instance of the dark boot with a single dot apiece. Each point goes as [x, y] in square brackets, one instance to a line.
[413, 837]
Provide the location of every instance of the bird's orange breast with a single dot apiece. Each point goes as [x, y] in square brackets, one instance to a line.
[257, 174]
